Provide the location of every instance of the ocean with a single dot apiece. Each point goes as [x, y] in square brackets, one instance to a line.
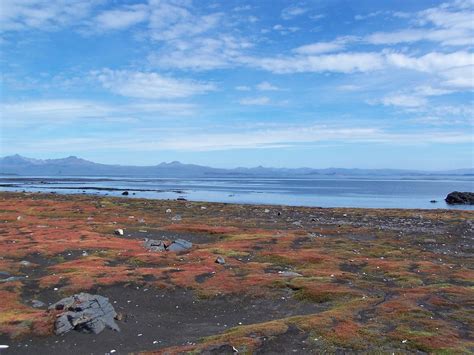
[367, 192]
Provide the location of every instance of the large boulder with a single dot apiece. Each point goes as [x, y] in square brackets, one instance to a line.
[84, 312]
[460, 198]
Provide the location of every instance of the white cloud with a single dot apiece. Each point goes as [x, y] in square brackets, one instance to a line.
[319, 47]
[326, 47]
[369, 15]
[254, 139]
[349, 62]
[415, 98]
[201, 53]
[266, 86]
[123, 18]
[148, 85]
[450, 24]
[17, 15]
[51, 112]
[431, 62]
[255, 101]
[293, 11]
[243, 88]
[284, 30]
[460, 78]
[452, 37]
[173, 20]
[404, 101]
[349, 87]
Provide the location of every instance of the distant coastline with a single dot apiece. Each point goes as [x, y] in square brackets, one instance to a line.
[17, 165]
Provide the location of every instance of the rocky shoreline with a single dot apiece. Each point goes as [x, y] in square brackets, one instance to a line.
[218, 278]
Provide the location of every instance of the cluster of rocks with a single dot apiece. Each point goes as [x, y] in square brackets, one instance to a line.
[84, 312]
[460, 198]
[177, 245]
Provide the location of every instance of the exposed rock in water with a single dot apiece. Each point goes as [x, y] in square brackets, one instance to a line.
[460, 198]
[84, 313]
[125, 193]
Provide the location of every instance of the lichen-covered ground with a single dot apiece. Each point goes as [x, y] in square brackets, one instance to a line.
[369, 279]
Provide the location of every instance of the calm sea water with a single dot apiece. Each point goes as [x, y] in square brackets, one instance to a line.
[324, 192]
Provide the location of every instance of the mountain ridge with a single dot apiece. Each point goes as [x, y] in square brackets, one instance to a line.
[72, 165]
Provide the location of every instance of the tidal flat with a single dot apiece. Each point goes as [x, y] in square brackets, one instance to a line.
[293, 280]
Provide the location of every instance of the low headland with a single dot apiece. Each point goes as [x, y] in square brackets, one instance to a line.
[195, 277]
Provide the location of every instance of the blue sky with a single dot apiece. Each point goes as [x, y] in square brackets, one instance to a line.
[317, 83]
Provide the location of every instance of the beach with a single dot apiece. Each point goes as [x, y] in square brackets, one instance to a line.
[256, 279]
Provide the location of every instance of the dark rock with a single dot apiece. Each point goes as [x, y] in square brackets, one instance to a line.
[220, 260]
[181, 199]
[125, 193]
[460, 198]
[84, 313]
[433, 201]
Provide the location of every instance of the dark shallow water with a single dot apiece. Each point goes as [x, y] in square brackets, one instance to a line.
[323, 192]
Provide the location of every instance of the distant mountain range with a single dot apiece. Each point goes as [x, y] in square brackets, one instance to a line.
[74, 166]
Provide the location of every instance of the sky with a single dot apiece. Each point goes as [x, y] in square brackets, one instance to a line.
[315, 83]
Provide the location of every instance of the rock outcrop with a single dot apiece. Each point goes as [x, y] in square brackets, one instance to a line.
[460, 198]
[84, 313]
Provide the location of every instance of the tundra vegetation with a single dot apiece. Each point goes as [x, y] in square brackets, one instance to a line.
[373, 279]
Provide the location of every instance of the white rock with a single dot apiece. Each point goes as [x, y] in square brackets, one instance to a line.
[119, 231]
[168, 210]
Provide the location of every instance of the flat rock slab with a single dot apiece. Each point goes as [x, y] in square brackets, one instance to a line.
[159, 245]
[84, 313]
[179, 245]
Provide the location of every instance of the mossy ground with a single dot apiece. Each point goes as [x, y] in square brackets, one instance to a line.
[398, 280]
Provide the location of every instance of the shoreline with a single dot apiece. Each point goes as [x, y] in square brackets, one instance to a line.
[117, 193]
[354, 279]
